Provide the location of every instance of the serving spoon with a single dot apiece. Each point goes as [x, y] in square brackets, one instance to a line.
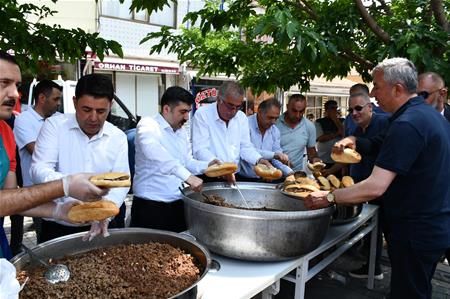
[54, 273]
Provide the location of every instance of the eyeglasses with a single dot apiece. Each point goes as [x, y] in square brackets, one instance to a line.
[425, 94]
[358, 108]
[231, 106]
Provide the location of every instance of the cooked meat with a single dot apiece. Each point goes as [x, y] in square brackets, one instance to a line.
[218, 200]
[150, 270]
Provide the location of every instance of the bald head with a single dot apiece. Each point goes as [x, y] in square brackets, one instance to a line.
[434, 86]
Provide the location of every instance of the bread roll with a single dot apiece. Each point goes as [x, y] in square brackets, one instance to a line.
[268, 173]
[334, 181]
[300, 190]
[314, 167]
[93, 211]
[347, 181]
[111, 179]
[348, 156]
[217, 170]
[324, 182]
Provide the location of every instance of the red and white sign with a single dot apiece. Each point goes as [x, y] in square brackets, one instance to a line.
[203, 94]
[131, 67]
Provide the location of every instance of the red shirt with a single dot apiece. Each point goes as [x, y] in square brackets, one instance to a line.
[9, 143]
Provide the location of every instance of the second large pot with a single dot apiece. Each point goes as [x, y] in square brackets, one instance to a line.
[255, 235]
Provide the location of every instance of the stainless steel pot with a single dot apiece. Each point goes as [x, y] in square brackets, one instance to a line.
[346, 213]
[251, 234]
[72, 244]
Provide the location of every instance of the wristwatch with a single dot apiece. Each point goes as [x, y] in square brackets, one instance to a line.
[331, 198]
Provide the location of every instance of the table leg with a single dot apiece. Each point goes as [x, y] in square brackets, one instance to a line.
[271, 290]
[373, 248]
[300, 279]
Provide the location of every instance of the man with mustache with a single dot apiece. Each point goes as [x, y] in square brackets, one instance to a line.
[81, 142]
[34, 201]
[163, 162]
[47, 100]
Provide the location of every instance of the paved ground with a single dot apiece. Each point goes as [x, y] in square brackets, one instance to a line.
[332, 282]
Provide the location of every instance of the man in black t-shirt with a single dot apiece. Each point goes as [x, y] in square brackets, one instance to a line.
[411, 172]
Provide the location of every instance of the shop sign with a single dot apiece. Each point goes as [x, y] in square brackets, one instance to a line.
[204, 94]
[131, 67]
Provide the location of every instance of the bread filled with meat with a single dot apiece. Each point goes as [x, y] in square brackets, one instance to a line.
[267, 172]
[111, 180]
[217, 170]
[348, 156]
[93, 211]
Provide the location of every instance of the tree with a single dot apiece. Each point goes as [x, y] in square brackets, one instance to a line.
[293, 41]
[35, 42]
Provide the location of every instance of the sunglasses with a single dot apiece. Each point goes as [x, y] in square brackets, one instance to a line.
[231, 106]
[358, 108]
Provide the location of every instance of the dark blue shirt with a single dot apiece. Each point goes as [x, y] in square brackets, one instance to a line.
[379, 123]
[349, 124]
[416, 206]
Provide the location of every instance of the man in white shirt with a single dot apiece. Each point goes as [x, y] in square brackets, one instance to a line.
[266, 138]
[47, 99]
[220, 130]
[81, 142]
[163, 162]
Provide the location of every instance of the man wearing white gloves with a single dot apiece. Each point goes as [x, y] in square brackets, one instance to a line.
[81, 142]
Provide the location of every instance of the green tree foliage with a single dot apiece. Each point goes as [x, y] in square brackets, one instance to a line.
[35, 42]
[293, 41]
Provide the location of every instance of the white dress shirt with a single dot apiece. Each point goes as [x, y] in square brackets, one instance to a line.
[266, 145]
[62, 148]
[213, 139]
[26, 129]
[163, 160]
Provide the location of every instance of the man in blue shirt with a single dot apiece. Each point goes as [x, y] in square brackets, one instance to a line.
[266, 139]
[411, 172]
[369, 124]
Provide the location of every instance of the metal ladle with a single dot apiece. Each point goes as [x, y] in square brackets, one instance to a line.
[54, 273]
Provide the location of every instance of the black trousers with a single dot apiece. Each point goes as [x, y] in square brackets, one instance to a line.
[158, 215]
[412, 270]
[52, 230]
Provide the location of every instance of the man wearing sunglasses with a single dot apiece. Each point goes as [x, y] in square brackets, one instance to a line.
[368, 124]
[434, 86]
[220, 130]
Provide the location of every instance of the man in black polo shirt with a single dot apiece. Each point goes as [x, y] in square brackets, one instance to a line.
[411, 172]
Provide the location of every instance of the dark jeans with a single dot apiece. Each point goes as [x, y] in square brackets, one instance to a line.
[52, 230]
[412, 270]
[158, 215]
[16, 234]
[119, 220]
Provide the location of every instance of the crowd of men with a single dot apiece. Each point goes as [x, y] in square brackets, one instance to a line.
[404, 143]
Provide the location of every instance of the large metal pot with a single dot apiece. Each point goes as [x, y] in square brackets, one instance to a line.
[251, 234]
[72, 244]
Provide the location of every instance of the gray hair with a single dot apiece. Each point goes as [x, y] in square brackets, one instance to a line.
[269, 103]
[362, 95]
[230, 89]
[398, 70]
[435, 78]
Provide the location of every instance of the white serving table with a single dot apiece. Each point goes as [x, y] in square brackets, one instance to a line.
[244, 279]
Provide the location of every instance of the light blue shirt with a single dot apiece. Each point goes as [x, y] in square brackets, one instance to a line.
[266, 145]
[294, 141]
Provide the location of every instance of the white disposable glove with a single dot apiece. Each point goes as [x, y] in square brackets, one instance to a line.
[61, 209]
[79, 186]
[97, 228]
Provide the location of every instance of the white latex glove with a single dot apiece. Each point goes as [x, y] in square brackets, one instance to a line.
[81, 188]
[97, 228]
[61, 209]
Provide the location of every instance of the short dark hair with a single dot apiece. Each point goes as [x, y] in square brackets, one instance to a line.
[8, 57]
[176, 94]
[330, 104]
[359, 88]
[96, 85]
[269, 103]
[296, 97]
[45, 87]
